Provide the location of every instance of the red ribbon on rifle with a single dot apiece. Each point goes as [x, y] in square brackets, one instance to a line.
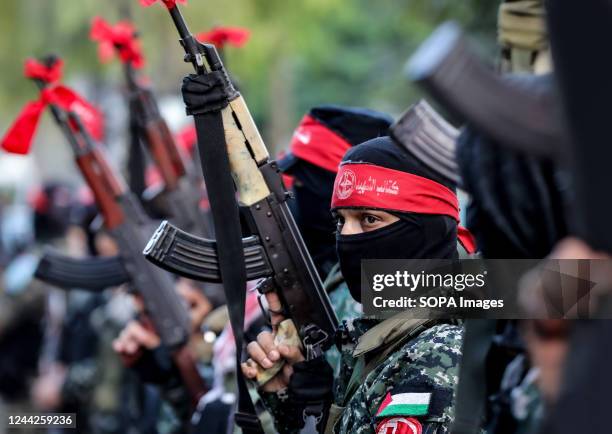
[18, 138]
[120, 38]
[221, 36]
[170, 4]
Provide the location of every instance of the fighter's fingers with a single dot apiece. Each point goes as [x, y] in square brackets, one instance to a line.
[257, 353]
[248, 369]
[291, 353]
[266, 342]
[143, 336]
[118, 346]
[275, 308]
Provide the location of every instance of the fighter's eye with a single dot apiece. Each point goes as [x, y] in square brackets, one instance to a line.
[339, 222]
[370, 219]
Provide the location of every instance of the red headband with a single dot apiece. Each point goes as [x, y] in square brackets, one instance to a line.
[370, 186]
[120, 38]
[317, 144]
[363, 185]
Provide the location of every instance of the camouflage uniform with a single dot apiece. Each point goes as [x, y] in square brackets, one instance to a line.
[344, 305]
[407, 356]
[381, 358]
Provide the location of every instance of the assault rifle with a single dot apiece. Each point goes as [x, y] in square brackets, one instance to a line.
[182, 190]
[429, 137]
[276, 251]
[513, 115]
[229, 143]
[180, 197]
[126, 221]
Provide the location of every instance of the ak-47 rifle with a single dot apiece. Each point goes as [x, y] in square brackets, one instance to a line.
[182, 191]
[126, 221]
[229, 143]
[429, 137]
[514, 116]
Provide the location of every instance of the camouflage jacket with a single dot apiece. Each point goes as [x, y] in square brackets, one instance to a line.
[345, 307]
[393, 373]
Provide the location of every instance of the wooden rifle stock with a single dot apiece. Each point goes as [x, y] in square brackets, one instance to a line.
[105, 186]
[125, 219]
[164, 152]
[155, 132]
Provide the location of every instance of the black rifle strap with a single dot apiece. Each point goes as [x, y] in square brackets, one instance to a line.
[226, 218]
[471, 392]
[136, 158]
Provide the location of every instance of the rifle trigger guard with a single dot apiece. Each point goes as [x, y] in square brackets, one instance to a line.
[313, 341]
[264, 311]
[265, 285]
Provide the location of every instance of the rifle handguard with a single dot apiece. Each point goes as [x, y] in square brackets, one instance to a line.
[92, 274]
[193, 257]
[286, 334]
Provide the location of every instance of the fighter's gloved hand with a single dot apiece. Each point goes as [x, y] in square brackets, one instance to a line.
[311, 382]
[205, 93]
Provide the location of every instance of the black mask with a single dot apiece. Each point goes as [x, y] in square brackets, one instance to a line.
[414, 236]
[310, 209]
[408, 238]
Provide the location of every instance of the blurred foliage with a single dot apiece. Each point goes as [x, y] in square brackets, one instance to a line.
[301, 53]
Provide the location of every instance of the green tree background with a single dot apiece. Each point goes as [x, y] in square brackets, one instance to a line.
[301, 53]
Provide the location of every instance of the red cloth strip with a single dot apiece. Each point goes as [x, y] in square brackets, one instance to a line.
[315, 143]
[170, 4]
[39, 71]
[467, 239]
[120, 38]
[18, 138]
[221, 36]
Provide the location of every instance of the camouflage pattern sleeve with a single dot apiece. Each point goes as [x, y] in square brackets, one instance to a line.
[413, 390]
[346, 308]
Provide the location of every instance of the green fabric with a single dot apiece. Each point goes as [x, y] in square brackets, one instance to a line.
[405, 410]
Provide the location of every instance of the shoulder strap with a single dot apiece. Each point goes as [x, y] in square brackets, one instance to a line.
[226, 218]
[471, 390]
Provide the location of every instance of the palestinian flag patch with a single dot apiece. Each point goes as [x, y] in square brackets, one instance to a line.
[405, 404]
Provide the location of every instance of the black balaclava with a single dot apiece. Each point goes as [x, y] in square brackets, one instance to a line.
[314, 182]
[414, 236]
[310, 207]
